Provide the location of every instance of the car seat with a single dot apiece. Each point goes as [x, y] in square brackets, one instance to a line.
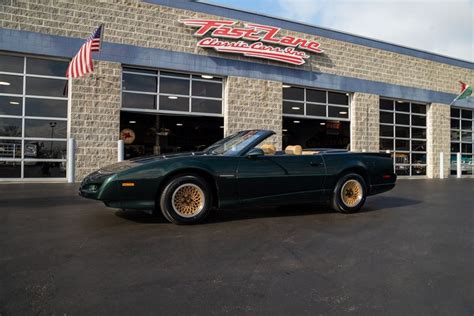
[294, 150]
[268, 149]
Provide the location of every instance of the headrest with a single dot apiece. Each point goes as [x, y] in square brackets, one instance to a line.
[293, 150]
[268, 149]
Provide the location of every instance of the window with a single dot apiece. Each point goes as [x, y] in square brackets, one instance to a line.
[403, 134]
[170, 92]
[155, 134]
[462, 121]
[33, 117]
[169, 112]
[315, 103]
[315, 118]
[314, 133]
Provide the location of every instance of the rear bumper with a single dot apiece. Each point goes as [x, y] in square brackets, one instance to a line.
[387, 184]
[380, 188]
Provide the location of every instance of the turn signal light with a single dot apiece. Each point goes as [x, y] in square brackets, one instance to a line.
[128, 184]
[386, 176]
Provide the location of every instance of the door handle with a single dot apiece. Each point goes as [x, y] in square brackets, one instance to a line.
[316, 163]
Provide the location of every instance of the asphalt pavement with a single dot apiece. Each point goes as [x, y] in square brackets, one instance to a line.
[410, 252]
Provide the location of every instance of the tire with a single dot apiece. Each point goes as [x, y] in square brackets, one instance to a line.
[186, 199]
[349, 194]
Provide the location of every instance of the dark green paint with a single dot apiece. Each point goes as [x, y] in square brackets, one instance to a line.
[241, 179]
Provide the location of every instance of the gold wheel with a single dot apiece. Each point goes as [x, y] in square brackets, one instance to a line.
[188, 200]
[352, 193]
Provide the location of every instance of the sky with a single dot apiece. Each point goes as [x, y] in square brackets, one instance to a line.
[443, 27]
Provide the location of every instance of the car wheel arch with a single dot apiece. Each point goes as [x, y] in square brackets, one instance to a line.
[205, 175]
[358, 170]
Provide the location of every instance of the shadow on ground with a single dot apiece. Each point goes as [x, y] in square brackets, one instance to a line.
[235, 214]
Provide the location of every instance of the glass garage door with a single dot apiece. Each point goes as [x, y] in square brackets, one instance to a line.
[169, 112]
[462, 130]
[403, 134]
[33, 118]
[315, 118]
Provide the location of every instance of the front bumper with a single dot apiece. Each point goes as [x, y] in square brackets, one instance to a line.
[94, 185]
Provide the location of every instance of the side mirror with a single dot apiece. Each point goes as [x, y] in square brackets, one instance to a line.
[254, 153]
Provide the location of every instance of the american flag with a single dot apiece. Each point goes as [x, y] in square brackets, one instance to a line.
[81, 64]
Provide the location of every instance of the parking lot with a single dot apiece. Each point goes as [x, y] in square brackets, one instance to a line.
[411, 252]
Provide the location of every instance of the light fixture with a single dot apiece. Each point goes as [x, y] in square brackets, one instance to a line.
[343, 112]
[207, 77]
[286, 86]
[322, 123]
[221, 126]
[295, 107]
[132, 122]
[284, 130]
[14, 102]
[179, 124]
[398, 101]
[347, 94]
[172, 97]
[4, 83]
[296, 122]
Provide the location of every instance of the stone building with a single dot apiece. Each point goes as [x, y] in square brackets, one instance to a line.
[178, 75]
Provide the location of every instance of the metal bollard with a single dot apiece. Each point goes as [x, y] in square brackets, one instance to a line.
[458, 165]
[120, 150]
[71, 158]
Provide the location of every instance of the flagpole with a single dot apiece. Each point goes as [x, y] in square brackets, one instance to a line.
[97, 76]
[455, 99]
[102, 26]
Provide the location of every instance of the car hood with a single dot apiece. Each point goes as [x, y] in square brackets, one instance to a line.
[134, 162]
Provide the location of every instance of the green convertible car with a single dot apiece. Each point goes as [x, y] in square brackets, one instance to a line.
[241, 171]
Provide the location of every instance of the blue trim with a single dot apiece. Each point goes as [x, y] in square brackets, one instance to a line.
[57, 46]
[308, 29]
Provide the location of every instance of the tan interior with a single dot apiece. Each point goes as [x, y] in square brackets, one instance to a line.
[268, 149]
[294, 150]
[310, 152]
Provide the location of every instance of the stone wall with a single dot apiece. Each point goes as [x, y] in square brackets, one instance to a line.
[365, 122]
[95, 117]
[250, 103]
[253, 104]
[438, 139]
[148, 25]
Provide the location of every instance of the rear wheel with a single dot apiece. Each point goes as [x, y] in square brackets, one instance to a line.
[186, 199]
[349, 194]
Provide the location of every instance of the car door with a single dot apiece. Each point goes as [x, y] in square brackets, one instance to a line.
[306, 172]
[278, 179]
[259, 179]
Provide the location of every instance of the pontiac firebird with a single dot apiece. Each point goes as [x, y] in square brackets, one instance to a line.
[241, 171]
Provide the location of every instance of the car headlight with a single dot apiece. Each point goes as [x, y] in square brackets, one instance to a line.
[91, 188]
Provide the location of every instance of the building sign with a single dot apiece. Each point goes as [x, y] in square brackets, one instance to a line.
[128, 136]
[252, 40]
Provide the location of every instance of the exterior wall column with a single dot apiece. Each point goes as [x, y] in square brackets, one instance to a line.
[438, 139]
[95, 117]
[365, 122]
[253, 104]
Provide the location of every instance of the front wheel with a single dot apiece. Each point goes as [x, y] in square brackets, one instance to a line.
[186, 199]
[349, 194]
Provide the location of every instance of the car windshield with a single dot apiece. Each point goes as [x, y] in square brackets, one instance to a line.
[232, 145]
